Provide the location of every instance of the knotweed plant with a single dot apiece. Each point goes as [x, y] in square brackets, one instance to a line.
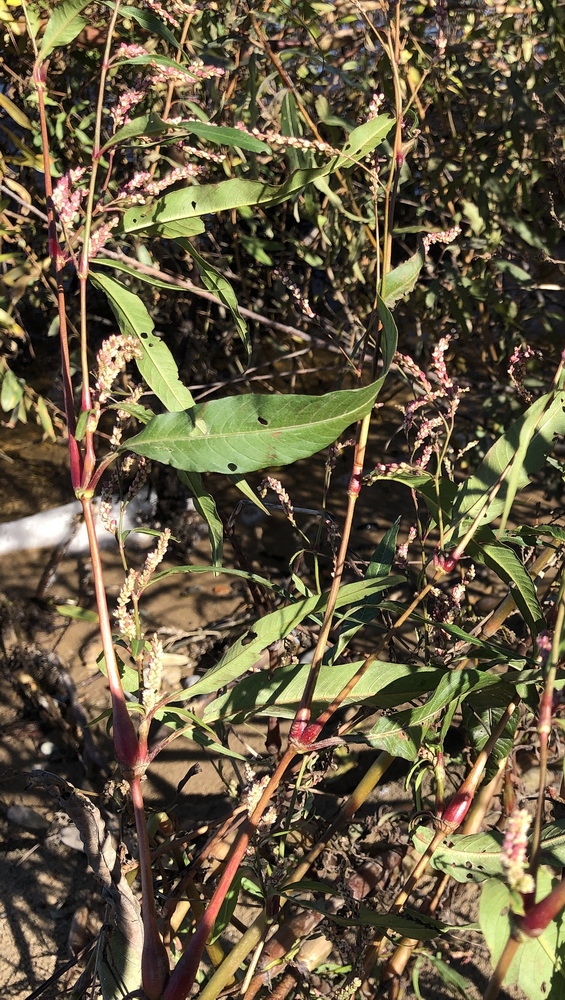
[177, 161]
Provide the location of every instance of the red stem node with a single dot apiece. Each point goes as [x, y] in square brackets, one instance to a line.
[299, 724]
[355, 483]
[456, 809]
[541, 914]
[310, 734]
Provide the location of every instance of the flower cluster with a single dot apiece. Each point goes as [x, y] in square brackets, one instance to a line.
[401, 557]
[446, 236]
[517, 368]
[203, 154]
[135, 583]
[126, 101]
[67, 197]
[126, 52]
[445, 397]
[125, 618]
[514, 852]
[101, 236]
[375, 106]
[152, 561]
[177, 7]
[152, 673]
[269, 483]
[294, 290]
[111, 359]
[445, 608]
[182, 75]
[121, 417]
[292, 141]
[178, 174]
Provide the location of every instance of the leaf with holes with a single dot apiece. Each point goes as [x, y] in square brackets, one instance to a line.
[245, 652]
[241, 434]
[205, 199]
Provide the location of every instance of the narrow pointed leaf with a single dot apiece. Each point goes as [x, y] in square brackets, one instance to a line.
[402, 734]
[206, 506]
[536, 428]
[384, 685]
[206, 199]
[382, 558]
[220, 286]
[157, 365]
[403, 278]
[63, 26]
[509, 568]
[241, 434]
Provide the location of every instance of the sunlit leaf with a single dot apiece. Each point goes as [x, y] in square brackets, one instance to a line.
[240, 434]
[157, 365]
[63, 26]
[206, 199]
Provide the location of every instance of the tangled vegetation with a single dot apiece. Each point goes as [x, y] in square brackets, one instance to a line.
[290, 215]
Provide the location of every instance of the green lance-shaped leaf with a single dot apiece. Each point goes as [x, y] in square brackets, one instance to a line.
[537, 966]
[403, 278]
[241, 434]
[518, 454]
[245, 652]
[220, 286]
[506, 564]
[402, 734]
[149, 279]
[206, 506]
[157, 365]
[154, 127]
[63, 26]
[383, 556]
[205, 199]
[384, 685]
[154, 25]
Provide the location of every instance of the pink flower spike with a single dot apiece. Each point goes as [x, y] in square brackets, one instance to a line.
[514, 852]
[446, 236]
[67, 201]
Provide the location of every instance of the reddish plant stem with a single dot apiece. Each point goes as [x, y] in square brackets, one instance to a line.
[154, 957]
[300, 732]
[125, 737]
[184, 974]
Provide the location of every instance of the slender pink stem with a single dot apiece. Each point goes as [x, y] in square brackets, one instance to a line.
[154, 958]
[125, 737]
